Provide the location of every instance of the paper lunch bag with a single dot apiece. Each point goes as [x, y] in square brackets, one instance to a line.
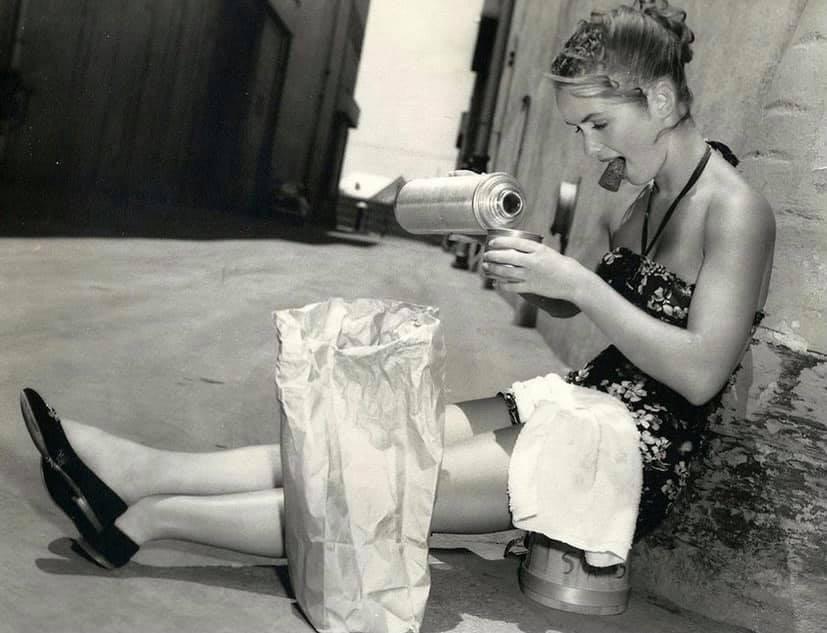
[360, 388]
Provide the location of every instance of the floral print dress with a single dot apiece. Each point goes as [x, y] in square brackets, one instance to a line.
[671, 428]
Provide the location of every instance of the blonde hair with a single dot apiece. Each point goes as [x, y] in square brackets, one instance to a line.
[614, 54]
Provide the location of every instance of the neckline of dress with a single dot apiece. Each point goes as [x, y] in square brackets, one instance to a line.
[655, 263]
[693, 178]
[759, 314]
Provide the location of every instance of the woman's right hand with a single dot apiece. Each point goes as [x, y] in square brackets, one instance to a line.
[463, 172]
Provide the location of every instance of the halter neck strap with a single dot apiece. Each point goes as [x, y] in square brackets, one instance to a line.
[645, 245]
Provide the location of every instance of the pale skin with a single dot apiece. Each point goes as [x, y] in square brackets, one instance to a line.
[233, 498]
[721, 238]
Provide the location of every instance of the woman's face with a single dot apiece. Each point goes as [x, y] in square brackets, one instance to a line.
[615, 129]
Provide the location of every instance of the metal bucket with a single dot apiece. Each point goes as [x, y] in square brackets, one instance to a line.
[468, 204]
[558, 576]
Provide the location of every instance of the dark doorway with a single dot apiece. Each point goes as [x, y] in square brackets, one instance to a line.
[258, 129]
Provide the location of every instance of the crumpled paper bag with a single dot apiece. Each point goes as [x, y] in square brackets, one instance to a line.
[360, 387]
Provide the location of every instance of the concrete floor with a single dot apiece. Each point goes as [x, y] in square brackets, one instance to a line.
[170, 342]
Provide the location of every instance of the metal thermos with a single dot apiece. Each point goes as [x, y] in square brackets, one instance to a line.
[470, 204]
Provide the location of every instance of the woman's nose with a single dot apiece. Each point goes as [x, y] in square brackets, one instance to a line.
[590, 146]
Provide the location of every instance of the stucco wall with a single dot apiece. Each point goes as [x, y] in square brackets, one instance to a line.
[749, 546]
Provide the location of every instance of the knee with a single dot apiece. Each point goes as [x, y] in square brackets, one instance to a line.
[457, 425]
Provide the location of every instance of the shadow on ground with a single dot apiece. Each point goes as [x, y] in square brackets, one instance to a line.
[269, 580]
[200, 224]
[37, 214]
[468, 593]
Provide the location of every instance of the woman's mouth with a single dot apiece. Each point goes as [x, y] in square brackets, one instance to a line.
[613, 174]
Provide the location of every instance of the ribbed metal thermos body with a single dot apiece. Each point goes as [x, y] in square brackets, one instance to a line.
[460, 204]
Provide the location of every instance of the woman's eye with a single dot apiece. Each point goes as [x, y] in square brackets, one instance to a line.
[595, 126]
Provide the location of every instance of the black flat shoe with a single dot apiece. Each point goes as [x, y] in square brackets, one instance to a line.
[109, 549]
[64, 496]
[76, 490]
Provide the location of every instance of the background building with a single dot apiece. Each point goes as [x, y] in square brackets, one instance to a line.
[751, 546]
[366, 204]
[219, 103]
[414, 81]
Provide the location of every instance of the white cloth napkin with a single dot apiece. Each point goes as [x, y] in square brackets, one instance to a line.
[575, 474]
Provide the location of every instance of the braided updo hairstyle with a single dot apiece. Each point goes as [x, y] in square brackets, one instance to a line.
[613, 54]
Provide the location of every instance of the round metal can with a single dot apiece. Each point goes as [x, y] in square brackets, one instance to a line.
[526, 235]
[557, 576]
[469, 204]
[559, 308]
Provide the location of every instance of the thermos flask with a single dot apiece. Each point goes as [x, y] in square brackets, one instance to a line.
[470, 204]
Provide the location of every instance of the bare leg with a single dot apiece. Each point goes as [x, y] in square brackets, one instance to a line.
[231, 498]
[135, 471]
[249, 522]
[472, 491]
[471, 497]
[472, 417]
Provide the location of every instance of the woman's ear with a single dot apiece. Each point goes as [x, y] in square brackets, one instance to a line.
[662, 100]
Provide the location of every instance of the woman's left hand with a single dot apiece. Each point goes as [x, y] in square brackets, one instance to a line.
[525, 266]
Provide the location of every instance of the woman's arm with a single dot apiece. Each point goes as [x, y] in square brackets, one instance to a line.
[696, 361]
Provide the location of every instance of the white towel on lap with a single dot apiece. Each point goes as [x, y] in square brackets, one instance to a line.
[575, 473]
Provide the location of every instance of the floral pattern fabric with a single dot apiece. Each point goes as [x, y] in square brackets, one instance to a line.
[671, 428]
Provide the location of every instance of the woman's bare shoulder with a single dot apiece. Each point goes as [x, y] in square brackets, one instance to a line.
[737, 210]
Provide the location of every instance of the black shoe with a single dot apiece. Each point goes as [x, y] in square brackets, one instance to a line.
[64, 496]
[76, 490]
[109, 549]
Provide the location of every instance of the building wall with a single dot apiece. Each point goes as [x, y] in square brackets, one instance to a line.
[198, 102]
[96, 73]
[8, 11]
[320, 82]
[750, 546]
[339, 111]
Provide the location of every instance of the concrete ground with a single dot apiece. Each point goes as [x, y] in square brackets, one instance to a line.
[170, 342]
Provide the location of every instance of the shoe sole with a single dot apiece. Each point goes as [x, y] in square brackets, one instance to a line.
[76, 495]
[92, 554]
[33, 427]
[62, 495]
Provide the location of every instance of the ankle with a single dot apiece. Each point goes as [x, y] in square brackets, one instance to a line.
[140, 522]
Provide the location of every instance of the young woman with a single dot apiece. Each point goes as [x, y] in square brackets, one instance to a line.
[678, 295]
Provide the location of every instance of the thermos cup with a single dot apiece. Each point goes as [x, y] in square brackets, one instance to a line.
[555, 307]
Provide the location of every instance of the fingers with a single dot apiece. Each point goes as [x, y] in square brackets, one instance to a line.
[509, 286]
[502, 256]
[516, 243]
[507, 260]
[504, 273]
[462, 172]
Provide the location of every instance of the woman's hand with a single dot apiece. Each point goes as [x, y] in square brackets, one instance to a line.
[525, 266]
